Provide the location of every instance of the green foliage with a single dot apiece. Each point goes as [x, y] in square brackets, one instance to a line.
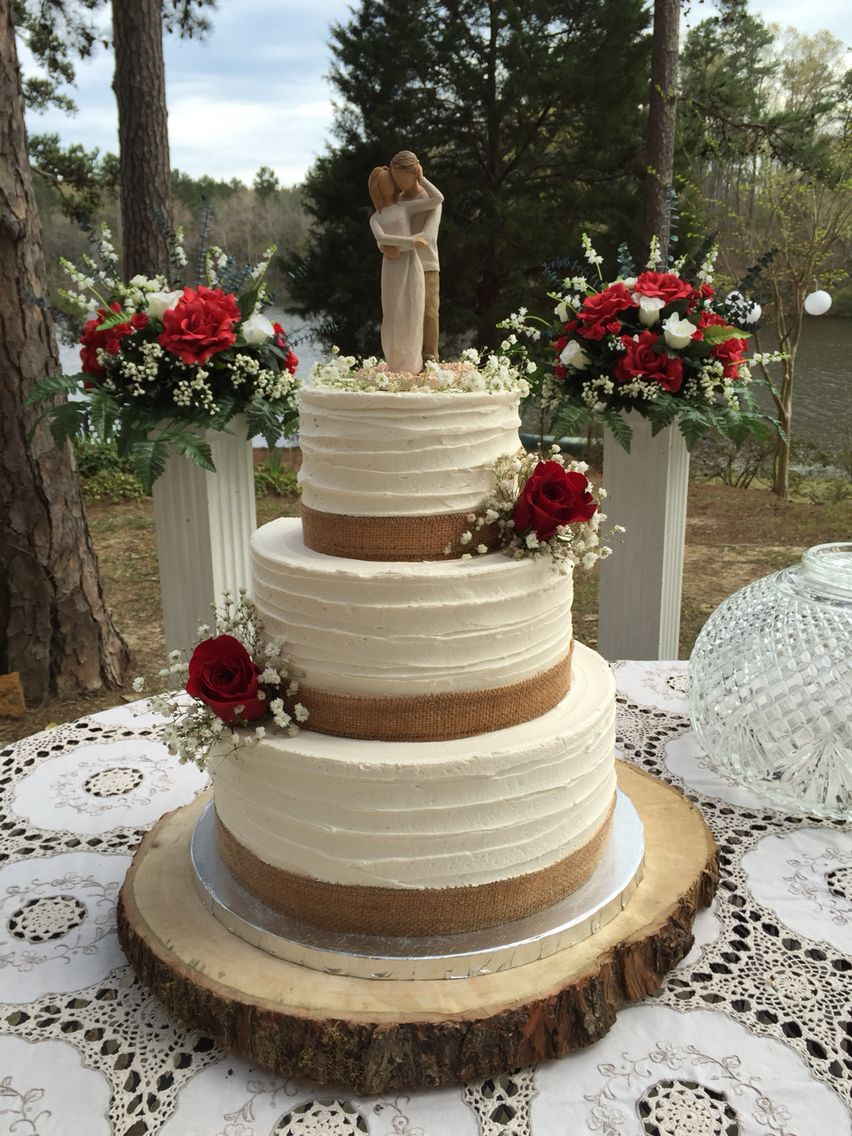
[195, 193]
[737, 464]
[266, 182]
[496, 100]
[112, 485]
[765, 158]
[142, 442]
[105, 476]
[272, 477]
[62, 31]
[79, 176]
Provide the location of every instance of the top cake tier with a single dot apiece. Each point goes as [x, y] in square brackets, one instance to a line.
[395, 475]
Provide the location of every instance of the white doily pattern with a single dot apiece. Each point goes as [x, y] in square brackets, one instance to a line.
[750, 1036]
[46, 1091]
[94, 788]
[806, 878]
[57, 923]
[668, 1074]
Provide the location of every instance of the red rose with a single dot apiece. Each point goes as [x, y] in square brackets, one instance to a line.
[200, 324]
[666, 286]
[599, 313]
[641, 361]
[706, 318]
[731, 355]
[223, 676]
[551, 497]
[291, 361]
[108, 340]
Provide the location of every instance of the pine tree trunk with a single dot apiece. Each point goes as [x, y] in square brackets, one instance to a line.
[54, 626]
[662, 117]
[140, 90]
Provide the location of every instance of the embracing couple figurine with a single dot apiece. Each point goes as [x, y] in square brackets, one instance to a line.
[405, 225]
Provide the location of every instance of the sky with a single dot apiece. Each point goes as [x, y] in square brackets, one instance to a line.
[255, 91]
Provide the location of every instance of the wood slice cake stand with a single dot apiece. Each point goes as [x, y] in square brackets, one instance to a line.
[374, 1035]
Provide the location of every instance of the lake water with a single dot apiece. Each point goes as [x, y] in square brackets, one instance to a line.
[822, 398]
[822, 395]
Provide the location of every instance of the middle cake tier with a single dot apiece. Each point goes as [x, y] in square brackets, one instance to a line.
[414, 651]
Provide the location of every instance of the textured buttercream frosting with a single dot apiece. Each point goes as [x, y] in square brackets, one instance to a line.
[394, 454]
[408, 628]
[429, 814]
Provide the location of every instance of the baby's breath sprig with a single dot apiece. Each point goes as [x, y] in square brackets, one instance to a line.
[475, 371]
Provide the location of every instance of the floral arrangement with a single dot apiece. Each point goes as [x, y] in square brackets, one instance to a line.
[234, 681]
[656, 342]
[543, 507]
[475, 371]
[163, 363]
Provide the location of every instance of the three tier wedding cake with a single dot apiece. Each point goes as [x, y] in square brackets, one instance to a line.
[457, 769]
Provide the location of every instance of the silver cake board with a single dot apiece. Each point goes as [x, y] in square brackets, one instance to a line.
[546, 932]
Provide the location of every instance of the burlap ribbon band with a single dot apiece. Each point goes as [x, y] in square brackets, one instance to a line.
[401, 912]
[393, 538]
[436, 717]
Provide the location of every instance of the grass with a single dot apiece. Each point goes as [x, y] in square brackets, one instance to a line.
[733, 536]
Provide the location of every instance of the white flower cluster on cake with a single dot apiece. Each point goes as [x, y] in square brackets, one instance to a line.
[543, 506]
[474, 371]
[233, 681]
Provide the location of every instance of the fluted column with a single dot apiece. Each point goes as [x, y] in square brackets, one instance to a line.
[204, 523]
[641, 583]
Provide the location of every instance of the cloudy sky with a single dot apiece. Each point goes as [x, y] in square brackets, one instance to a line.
[255, 92]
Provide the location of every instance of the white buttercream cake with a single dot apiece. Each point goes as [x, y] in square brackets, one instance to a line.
[373, 831]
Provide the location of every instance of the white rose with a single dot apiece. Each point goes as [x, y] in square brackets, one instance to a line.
[161, 302]
[562, 311]
[257, 328]
[649, 308]
[573, 355]
[678, 332]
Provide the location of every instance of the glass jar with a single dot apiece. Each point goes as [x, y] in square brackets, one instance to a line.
[770, 684]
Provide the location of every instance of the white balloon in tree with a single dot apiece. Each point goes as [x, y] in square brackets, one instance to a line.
[817, 303]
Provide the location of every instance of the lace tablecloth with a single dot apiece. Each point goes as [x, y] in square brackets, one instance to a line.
[750, 1036]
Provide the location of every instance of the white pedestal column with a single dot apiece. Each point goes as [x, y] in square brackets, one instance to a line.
[204, 523]
[640, 584]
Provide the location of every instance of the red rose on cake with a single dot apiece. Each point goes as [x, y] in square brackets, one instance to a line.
[200, 324]
[599, 313]
[552, 496]
[223, 677]
[641, 361]
[108, 340]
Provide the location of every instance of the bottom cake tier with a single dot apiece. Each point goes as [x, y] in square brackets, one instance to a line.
[425, 837]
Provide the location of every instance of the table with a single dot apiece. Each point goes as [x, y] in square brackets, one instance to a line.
[750, 1036]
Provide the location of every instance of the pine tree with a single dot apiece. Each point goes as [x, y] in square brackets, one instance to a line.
[527, 116]
[54, 626]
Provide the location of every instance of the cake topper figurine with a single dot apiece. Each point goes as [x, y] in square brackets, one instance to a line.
[405, 225]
